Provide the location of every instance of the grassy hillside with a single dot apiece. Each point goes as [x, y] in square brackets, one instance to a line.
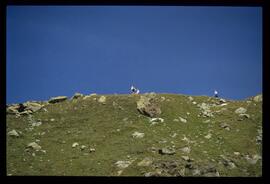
[222, 145]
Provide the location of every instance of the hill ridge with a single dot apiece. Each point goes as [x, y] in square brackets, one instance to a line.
[107, 135]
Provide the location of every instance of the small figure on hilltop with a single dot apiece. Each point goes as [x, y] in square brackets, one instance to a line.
[134, 90]
[216, 94]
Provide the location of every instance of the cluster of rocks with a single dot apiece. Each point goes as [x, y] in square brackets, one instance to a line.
[253, 159]
[154, 121]
[205, 110]
[14, 133]
[137, 135]
[83, 148]
[225, 126]
[33, 106]
[24, 108]
[166, 151]
[259, 136]
[258, 98]
[102, 100]
[147, 105]
[241, 111]
[184, 167]
[227, 162]
[34, 147]
[57, 99]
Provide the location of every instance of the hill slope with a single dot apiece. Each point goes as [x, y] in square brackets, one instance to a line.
[225, 144]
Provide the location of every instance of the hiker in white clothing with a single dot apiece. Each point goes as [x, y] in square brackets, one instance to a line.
[134, 90]
[216, 93]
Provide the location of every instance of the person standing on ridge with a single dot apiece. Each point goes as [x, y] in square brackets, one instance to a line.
[134, 90]
[216, 94]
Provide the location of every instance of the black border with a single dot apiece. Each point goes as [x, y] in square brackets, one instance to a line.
[231, 180]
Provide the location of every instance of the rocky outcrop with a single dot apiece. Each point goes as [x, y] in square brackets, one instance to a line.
[147, 105]
[24, 109]
[13, 133]
[77, 95]
[13, 109]
[34, 145]
[205, 110]
[258, 98]
[102, 100]
[240, 110]
[32, 106]
[58, 99]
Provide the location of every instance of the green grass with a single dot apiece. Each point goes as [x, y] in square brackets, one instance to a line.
[95, 125]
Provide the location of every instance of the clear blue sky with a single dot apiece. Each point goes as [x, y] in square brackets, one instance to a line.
[60, 50]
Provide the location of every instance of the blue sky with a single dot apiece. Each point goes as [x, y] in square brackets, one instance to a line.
[60, 50]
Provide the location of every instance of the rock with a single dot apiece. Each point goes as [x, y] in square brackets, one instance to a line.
[166, 151]
[210, 170]
[148, 106]
[137, 135]
[102, 100]
[259, 139]
[207, 121]
[186, 158]
[77, 95]
[208, 136]
[176, 120]
[204, 106]
[83, 147]
[222, 100]
[52, 119]
[36, 124]
[258, 98]
[182, 120]
[125, 119]
[13, 133]
[86, 97]
[240, 110]
[186, 149]
[190, 98]
[151, 174]
[75, 144]
[145, 162]
[244, 115]
[221, 105]
[93, 94]
[27, 112]
[15, 108]
[254, 159]
[162, 98]
[119, 172]
[206, 112]
[32, 106]
[123, 164]
[174, 135]
[58, 99]
[224, 125]
[34, 146]
[185, 139]
[228, 128]
[12, 110]
[196, 172]
[156, 120]
[92, 150]
[188, 113]
[227, 162]
[194, 103]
